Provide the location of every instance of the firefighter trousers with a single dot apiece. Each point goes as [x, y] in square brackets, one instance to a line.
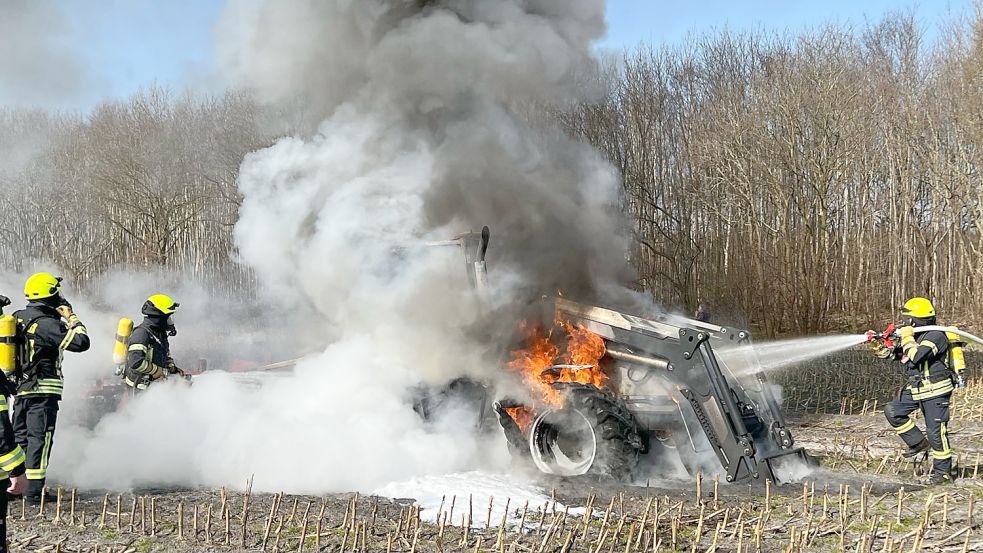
[936, 413]
[34, 431]
[4, 484]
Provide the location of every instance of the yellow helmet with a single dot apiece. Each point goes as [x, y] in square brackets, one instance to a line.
[42, 285]
[919, 308]
[163, 303]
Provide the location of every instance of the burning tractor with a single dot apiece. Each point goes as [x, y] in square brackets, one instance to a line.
[612, 389]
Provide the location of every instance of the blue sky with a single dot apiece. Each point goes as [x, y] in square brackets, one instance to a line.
[661, 21]
[122, 45]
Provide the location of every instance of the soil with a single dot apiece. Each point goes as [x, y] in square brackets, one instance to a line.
[865, 497]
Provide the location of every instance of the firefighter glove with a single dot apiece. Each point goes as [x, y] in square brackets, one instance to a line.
[880, 350]
[906, 332]
[172, 367]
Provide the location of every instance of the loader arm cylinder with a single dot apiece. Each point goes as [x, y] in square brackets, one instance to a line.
[654, 362]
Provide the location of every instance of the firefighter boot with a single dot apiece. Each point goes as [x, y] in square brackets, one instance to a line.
[35, 489]
[937, 478]
[917, 449]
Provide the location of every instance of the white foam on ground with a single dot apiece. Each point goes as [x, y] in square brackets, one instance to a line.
[477, 489]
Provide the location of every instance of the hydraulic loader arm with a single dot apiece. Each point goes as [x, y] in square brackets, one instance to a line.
[725, 414]
[740, 418]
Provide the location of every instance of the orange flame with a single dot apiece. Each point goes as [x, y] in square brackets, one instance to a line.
[523, 417]
[536, 362]
[585, 348]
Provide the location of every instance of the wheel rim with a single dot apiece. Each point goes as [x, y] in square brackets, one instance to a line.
[563, 443]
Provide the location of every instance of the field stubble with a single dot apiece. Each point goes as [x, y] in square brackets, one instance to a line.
[865, 498]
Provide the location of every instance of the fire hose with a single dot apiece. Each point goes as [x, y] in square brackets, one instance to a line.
[891, 334]
[953, 330]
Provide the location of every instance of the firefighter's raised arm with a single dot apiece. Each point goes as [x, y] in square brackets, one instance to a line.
[71, 336]
[918, 351]
[76, 336]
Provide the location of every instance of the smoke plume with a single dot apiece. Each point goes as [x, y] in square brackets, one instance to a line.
[421, 137]
[38, 64]
[422, 131]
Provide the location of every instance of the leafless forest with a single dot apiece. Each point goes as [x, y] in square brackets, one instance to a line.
[149, 181]
[796, 183]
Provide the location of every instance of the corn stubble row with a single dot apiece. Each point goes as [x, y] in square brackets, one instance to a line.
[810, 517]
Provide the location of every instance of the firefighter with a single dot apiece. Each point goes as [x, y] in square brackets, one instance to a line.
[924, 355]
[702, 314]
[48, 327]
[11, 455]
[12, 468]
[148, 356]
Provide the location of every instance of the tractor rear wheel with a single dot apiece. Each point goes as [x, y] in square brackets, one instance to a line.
[593, 433]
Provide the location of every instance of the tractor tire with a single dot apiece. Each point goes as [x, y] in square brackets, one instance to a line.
[594, 433]
[518, 443]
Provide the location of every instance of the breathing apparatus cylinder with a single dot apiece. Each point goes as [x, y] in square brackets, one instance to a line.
[957, 360]
[123, 332]
[8, 344]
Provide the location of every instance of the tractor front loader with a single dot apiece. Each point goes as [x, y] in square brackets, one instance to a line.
[668, 394]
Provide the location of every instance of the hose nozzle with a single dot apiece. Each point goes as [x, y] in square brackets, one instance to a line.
[886, 338]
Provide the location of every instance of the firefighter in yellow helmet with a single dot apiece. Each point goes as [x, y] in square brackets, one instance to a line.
[46, 328]
[148, 356]
[924, 356]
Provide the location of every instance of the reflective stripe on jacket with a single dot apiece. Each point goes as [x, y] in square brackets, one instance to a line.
[47, 338]
[927, 365]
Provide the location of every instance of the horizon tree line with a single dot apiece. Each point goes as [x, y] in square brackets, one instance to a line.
[794, 183]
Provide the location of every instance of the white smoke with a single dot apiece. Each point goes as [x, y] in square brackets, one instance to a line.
[39, 64]
[420, 140]
[213, 327]
[337, 422]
